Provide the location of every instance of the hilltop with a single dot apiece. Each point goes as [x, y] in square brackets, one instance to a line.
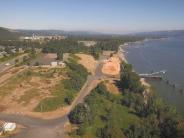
[6, 33]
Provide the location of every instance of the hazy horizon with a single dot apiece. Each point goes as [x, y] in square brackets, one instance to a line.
[108, 16]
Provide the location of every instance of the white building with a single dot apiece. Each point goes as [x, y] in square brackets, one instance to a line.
[54, 64]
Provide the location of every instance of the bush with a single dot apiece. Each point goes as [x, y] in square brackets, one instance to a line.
[130, 80]
[80, 114]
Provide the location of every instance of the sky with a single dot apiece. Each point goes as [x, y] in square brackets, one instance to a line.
[115, 16]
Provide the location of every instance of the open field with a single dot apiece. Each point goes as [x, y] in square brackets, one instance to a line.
[88, 62]
[42, 92]
[24, 88]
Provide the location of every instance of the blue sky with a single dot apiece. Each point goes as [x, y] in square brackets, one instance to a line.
[116, 16]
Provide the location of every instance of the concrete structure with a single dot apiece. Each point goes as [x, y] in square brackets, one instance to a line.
[8, 127]
[54, 64]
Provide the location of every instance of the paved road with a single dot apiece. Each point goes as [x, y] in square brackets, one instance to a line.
[38, 128]
[4, 67]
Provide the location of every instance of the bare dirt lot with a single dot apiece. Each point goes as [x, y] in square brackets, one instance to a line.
[22, 89]
[111, 66]
[111, 87]
[88, 62]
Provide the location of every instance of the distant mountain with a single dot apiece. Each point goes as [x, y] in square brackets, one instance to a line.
[55, 32]
[170, 33]
[6, 34]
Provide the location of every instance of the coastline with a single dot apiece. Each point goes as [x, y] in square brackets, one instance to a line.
[142, 80]
[144, 40]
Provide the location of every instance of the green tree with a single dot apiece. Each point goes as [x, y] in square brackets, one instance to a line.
[80, 114]
[130, 80]
[60, 55]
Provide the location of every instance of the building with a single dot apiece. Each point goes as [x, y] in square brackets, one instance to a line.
[54, 64]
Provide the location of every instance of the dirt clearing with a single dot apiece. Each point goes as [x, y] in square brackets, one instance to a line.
[88, 62]
[112, 88]
[111, 66]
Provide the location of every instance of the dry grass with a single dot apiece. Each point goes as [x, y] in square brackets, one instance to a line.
[111, 87]
[28, 96]
[112, 66]
[23, 91]
[88, 62]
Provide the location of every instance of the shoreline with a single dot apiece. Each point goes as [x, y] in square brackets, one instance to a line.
[142, 80]
[144, 40]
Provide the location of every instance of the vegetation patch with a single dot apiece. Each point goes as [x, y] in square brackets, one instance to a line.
[66, 90]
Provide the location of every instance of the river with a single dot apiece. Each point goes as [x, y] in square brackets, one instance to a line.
[161, 54]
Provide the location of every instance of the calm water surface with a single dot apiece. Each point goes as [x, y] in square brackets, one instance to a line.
[156, 55]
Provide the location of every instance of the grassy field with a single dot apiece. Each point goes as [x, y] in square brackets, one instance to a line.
[57, 100]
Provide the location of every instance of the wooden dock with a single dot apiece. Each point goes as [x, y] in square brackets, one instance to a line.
[154, 75]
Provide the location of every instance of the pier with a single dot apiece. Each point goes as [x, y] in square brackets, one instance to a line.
[154, 75]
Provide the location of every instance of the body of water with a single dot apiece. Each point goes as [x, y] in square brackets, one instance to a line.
[156, 55]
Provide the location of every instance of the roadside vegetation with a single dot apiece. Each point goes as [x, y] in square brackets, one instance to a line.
[105, 115]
